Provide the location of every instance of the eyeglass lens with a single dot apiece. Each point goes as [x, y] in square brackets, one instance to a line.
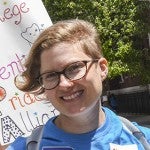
[74, 71]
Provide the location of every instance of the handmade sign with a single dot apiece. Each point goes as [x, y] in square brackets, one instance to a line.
[21, 21]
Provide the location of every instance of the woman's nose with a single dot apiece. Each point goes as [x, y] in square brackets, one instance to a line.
[65, 82]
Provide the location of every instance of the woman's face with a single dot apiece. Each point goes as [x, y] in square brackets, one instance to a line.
[73, 97]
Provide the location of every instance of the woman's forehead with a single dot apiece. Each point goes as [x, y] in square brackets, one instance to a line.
[61, 55]
[63, 50]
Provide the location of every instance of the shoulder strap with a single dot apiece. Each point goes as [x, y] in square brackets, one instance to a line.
[136, 132]
[32, 142]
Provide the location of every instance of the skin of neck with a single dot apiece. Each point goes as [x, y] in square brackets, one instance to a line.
[86, 121]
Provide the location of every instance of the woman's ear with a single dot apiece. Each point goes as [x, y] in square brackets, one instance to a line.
[103, 64]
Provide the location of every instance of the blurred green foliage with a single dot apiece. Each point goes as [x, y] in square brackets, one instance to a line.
[123, 26]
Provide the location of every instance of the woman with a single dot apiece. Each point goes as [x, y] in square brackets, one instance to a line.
[67, 66]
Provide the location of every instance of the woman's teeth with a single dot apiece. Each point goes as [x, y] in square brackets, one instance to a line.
[73, 96]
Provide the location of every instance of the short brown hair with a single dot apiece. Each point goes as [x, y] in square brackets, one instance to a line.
[70, 31]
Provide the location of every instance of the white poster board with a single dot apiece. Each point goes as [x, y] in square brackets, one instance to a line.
[21, 21]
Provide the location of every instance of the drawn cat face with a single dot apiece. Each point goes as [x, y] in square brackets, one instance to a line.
[31, 33]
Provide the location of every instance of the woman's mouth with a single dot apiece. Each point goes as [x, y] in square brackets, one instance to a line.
[72, 96]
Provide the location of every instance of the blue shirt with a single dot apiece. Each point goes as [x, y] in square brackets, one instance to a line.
[110, 133]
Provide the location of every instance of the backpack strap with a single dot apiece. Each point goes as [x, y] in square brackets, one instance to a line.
[136, 132]
[32, 142]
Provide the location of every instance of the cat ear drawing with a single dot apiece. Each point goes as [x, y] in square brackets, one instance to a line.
[31, 33]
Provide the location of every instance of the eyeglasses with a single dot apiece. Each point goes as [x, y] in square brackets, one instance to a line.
[74, 71]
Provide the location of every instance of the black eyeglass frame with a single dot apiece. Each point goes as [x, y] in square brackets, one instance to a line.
[63, 72]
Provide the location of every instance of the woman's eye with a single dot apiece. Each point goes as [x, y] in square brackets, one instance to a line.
[50, 76]
[75, 67]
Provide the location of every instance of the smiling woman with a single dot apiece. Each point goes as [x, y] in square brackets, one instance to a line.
[66, 65]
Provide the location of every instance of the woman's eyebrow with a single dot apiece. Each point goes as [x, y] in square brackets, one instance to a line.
[64, 67]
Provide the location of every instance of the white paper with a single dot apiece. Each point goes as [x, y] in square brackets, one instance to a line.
[21, 21]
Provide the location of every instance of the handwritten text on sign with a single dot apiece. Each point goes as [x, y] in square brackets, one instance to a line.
[21, 21]
[15, 11]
